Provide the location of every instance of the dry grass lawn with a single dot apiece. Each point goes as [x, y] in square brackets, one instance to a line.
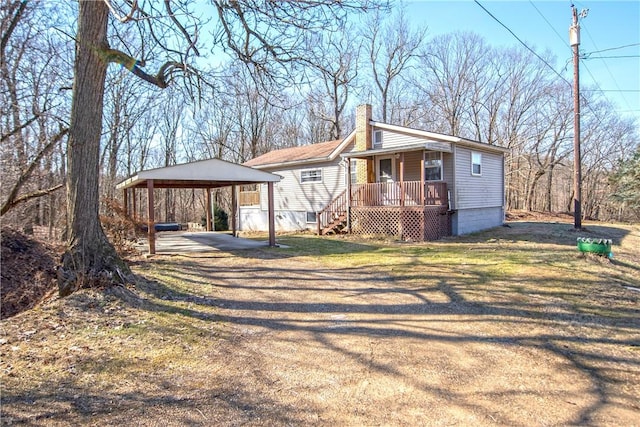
[507, 327]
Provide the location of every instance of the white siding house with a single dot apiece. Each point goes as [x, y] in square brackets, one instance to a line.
[382, 178]
[305, 189]
[478, 194]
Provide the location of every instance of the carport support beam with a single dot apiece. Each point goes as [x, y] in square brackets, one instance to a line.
[207, 192]
[125, 201]
[151, 226]
[234, 211]
[272, 222]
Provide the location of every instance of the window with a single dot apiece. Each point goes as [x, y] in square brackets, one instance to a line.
[313, 175]
[354, 171]
[377, 138]
[311, 217]
[476, 164]
[433, 166]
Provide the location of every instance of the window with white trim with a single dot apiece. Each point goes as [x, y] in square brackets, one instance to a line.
[311, 175]
[433, 166]
[311, 217]
[377, 138]
[476, 164]
[354, 171]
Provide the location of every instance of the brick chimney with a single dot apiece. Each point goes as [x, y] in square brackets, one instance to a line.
[364, 169]
[363, 129]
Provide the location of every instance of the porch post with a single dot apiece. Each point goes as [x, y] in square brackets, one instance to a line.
[208, 210]
[422, 179]
[151, 225]
[349, 195]
[402, 212]
[234, 210]
[402, 179]
[272, 225]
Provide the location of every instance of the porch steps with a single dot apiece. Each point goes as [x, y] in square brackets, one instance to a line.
[336, 226]
[333, 218]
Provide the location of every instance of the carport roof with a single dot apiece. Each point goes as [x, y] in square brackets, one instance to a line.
[211, 173]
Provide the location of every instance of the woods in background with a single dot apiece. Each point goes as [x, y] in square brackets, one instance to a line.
[236, 106]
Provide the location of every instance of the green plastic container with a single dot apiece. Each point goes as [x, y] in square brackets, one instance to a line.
[595, 246]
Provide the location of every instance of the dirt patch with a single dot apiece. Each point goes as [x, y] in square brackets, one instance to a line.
[508, 327]
[28, 271]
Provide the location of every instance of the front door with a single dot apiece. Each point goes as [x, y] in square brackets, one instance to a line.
[386, 169]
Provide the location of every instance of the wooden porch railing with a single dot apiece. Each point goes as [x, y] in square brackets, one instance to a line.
[333, 212]
[381, 194]
[407, 193]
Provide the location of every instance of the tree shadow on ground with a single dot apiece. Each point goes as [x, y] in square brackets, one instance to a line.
[71, 403]
[434, 295]
[588, 327]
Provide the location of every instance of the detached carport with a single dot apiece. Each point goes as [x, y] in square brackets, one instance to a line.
[205, 174]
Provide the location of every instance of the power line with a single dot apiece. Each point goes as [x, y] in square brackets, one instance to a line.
[522, 43]
[563, 39]
[613, 48]
[606, 66]
[611, 90]
[588, 56]
[587, 103]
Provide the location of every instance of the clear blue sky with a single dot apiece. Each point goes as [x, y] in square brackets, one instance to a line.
[545, 25]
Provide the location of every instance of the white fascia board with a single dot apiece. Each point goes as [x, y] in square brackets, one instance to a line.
[441, 137]
[340, 148]
[129, 182]
[416, 132]
[482, 146]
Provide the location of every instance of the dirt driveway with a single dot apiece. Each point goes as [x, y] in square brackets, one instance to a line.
[432, 334]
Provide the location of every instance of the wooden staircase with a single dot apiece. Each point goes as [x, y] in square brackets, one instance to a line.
[337, 226]
[333, 218]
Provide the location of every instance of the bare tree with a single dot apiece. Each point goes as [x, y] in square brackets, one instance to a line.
[551, 143]
[258, 34]
[451, 71]
[31, 105]
[336, 65]
[393, 46]
[606, 141]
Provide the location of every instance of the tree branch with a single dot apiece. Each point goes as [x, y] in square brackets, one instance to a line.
[39, 193]
[12, 26]
[192, 43]
[126, 18]
[12, 199]
[162, 79]
[19, 128]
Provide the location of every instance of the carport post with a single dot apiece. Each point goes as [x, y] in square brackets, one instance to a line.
[272, 225]
[234, 210]
[125, 201]
[207, 192]
[134, 205]
[151, 226]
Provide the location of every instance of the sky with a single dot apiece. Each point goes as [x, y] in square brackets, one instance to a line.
[543, 25]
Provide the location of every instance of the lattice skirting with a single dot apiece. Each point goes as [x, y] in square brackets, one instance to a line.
[415, 223]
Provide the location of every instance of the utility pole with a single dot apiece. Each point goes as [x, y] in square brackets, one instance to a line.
[574, 40]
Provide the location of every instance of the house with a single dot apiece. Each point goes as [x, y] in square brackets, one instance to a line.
[382, 179]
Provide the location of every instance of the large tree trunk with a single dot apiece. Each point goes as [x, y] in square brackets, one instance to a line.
[90, 259]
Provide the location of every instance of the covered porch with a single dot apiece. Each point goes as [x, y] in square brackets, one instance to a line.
[404, 195]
